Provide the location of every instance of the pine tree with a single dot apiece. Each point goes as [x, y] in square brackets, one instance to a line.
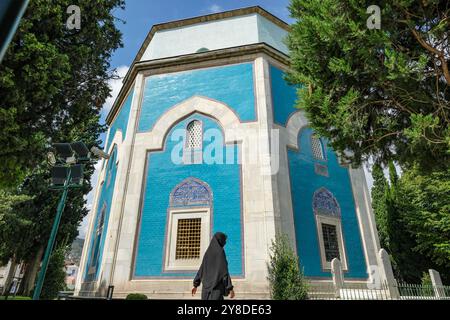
[395, 234]
[380, 191]
[426, 212]
[53, 80]
[380, 93]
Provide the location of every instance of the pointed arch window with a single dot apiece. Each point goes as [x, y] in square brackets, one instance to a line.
[193, 144]
[96, 245]
[109, 171]
[329, 228]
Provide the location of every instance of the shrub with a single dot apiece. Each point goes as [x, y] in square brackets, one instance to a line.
[285, 276]
[136, 296]
[427, 285]
[55, 276]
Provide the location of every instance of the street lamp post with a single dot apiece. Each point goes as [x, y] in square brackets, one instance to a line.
[66, 176]
[51, 241]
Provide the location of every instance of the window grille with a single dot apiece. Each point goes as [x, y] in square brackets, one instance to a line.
[330, 242]
[98, 236]
[317, 148]
[188, 239]
[194, 134]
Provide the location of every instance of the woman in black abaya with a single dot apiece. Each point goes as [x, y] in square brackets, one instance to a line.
[213, 272]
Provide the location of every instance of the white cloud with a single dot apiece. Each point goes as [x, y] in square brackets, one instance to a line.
[214, 8]
[115, 85]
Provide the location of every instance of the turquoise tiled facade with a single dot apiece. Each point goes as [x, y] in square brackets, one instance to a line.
[283, 96]
[121, 121]
[162, 177]
[304, 182]
[232, 85]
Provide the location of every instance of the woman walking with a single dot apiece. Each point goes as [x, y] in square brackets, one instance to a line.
[213, 272]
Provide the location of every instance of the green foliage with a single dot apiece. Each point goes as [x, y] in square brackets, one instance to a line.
[136, 296]
[426, 279]
[379, 93]
[53, 84]
[54, 278]
[426, 202]
[379, 198]
[413, 220]
[394, 234]
[285, 277]
[53, 81]
[427, 285]
[15, 298]
[12, 225]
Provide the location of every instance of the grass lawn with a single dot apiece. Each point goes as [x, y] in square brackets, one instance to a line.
[15, 298]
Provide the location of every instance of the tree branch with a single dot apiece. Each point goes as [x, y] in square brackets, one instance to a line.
[435, 51]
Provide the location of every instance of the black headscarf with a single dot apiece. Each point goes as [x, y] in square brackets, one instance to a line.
[214, 266]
